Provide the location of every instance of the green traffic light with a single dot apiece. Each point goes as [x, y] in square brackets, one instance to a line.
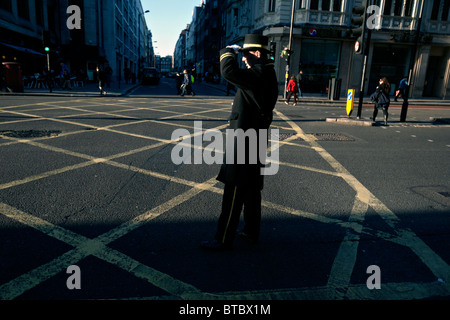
[47, 49]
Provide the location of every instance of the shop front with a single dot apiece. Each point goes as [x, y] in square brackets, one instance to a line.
[390, 61]
[319, 61]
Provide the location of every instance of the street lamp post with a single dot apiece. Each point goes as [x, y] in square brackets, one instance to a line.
[139, 39]
[405, 97]
[288, 60]
[154, 57]
[154, 54]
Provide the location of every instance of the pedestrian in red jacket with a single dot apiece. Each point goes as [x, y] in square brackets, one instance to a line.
[292, 89]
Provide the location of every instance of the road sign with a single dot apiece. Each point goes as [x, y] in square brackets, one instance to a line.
[350, 99]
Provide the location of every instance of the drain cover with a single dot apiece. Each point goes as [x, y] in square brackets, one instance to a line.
[30, 133]
[331, 137]
[285, 135]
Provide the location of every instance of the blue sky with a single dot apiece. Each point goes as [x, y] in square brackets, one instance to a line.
[166, 20]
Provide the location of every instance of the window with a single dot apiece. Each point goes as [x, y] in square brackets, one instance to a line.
[6, 5]
[435, 10]
[408, 8]
[39, 12]
[337, 5]
[319, 61]
[23, 9]
[324, 5]
[445, 12]
[272, 4]
[302, 4]
[387, 8]
[398, 8]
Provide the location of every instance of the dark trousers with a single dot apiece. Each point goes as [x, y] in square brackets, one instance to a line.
[385, 112]
[234, 198]
[290, 94]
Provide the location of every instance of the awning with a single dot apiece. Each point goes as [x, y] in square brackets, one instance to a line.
[26, 50]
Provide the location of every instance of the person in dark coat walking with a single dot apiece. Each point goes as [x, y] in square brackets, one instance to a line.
[381, 99]
[178, 82]
[252, 110]
[102, 77]
[401, 88]
[187, 84]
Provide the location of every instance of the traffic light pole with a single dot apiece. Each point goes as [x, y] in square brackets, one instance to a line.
[411, 66]
[288, 60]
[49, 75]
[363, 78]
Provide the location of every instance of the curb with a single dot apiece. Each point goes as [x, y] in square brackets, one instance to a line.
[72, 95]
[355, 122]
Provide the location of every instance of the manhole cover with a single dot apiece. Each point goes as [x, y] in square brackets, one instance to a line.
[331, 137]
[286, 135]
[30, 133]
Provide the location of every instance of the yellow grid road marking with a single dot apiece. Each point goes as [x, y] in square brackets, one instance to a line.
[341, 269]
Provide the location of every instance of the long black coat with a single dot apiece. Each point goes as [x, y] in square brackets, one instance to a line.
[252, 108]
[381, 98]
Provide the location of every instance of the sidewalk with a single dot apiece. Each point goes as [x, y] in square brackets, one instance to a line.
[322, 98]
[89, 90]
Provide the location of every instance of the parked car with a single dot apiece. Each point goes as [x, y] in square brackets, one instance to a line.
[150, 76]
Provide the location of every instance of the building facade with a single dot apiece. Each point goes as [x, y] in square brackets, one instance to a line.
[111, 33]
[179, 54]
[21, 27]
[322, 47]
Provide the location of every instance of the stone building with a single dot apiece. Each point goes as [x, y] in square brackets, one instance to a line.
[321, 44]
[113, 32]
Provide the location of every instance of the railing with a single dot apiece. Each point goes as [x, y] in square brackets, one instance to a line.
[433, 26]
[398, 23]
[315, 17]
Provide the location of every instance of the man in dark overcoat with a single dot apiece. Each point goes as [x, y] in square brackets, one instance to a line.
[252, 110]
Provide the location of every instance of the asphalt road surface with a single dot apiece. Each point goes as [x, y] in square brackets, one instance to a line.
[353, 212]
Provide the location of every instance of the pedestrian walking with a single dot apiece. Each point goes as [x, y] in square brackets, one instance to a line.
[292, 89]
[252, 109]
[381, 99]
[109, 72]
[401, 88]
[102, 77]
[186, 87]
[299, 78]
[178, 83]
[65, 76]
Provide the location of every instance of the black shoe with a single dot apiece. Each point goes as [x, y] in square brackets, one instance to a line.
[214, 245]
[247, 237]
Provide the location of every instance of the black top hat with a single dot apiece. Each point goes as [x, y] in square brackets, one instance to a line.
[254, 42]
